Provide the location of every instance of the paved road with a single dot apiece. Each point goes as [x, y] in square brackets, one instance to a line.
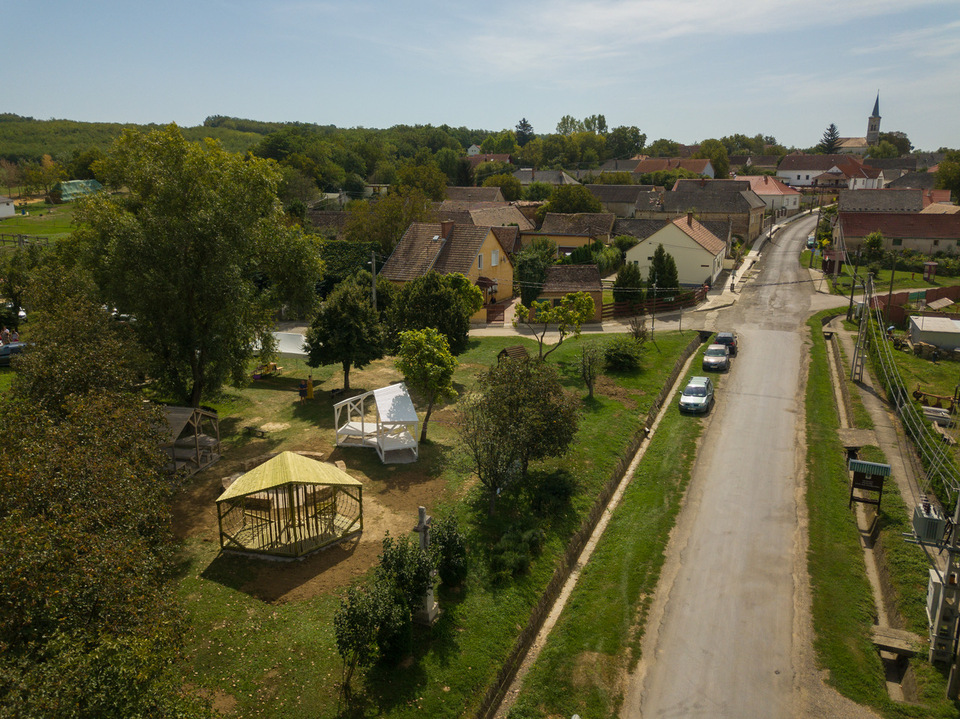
[720, 637]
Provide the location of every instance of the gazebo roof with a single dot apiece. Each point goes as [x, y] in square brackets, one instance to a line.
[394, 404]
[286, 468]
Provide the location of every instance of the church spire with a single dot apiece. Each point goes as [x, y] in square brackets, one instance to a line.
[873, 123]
[876, 106]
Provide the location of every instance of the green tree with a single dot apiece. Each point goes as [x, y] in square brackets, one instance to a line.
[884, 149]
[429, 179]
[384, 220]
[948, 174]
[448, 551]
[628, 286]
[489, 169]
[899, 140]
[571, 199]
[16, 271]
[596, 124]
[10, 175]
[590, 365]
[625, 142]
[530, 268]
[346, 330]
[568, 125]
[444, 302]
[830, 140]
[663, 273]
[538, 191]
[714, 151]
[509, 185]
[425, 361]
[872, 247]
[664, 148]
[198, 251]
[524, 132]
[88, 624]
[518, 413]
[568, 315]
[501, 143]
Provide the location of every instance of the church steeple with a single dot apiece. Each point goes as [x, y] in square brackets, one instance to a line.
[873, 123]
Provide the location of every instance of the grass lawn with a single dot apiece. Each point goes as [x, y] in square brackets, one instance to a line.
[881, 282]
[53, 221]
[259, 656]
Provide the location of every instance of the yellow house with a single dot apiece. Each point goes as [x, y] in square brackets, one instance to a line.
[448, 247]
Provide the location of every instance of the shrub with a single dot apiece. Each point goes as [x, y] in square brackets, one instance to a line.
[622, 354]
[449, 551]
[512, 554]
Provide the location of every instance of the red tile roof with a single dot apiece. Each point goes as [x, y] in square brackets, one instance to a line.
[900, 225]
[424, 247]
[701, 235]
[765, 185]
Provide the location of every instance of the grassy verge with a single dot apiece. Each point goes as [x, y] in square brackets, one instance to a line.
[598, 635]
[836, 565]
[859, 416]
[902, 280]
[268, 659]
[53, 221]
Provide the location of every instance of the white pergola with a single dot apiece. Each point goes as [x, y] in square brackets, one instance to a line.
[384, 419]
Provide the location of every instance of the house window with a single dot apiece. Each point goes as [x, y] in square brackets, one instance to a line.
[896, 243]
[494, 258]
[480, 261]
[936, 243]
[808, 177]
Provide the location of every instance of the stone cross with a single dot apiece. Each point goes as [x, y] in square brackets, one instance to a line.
[427, 614]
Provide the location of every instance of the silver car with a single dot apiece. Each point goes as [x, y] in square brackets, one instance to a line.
[697, 396]
[716, 357]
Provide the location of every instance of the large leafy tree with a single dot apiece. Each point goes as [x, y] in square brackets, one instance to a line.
[88, 626]
[625, 142]
[524, 132]
[509, 186]
[568, 315]
[830, 140]
[428, 178]
[384, 220]
[346, 330]
[572, 199]
[530, 267]
[518, 413]
[714, 151]
[444, 302]
[427, 365]
[948, 173]
[196, 249]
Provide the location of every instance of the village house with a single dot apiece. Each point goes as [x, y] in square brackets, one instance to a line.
[881, 200]
[624, 200]
[777, 196]
[570, 231]
[659, 164]
[448, 247]
[925, 233]
[550, 177]
[564, 279]
[488, 214]
[698, 252]
[714, 200]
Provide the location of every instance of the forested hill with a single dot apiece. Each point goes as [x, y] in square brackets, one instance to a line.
[27, 139]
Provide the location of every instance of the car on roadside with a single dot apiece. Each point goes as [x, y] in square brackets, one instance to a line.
[717, 358]
[811, 242]
[730, 340]
[10, 350]
[697, 396]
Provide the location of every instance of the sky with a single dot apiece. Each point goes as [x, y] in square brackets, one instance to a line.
[685, 70]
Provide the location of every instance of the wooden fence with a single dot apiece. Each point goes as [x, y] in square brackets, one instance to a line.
[662, 305]
[22, 240]
[491, 700]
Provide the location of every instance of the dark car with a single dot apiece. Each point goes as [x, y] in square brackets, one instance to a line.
[7, 351]
[729, 339]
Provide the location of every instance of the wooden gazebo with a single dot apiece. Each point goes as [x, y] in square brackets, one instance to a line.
[193, 439]
[289, 506]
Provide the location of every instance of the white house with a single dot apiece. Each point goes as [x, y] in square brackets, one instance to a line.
[7, 208]
[697, 251]
[774, 193]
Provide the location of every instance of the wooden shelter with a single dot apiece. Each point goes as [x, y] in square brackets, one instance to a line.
[289, 506]
[384, 419]
[193, 439]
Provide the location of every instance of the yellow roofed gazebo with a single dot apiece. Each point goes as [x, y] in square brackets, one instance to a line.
[289, 506]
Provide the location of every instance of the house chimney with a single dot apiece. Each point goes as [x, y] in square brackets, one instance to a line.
[703, 182]
[690, 219]
[446, 227]
[766, 179]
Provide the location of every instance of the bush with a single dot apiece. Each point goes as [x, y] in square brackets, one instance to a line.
[551, 492]
[449, 551]
[513, 553]
[623, 354]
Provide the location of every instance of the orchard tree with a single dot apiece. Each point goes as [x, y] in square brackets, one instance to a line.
[830, 140]
[425, 361]
[573, 310]
[346, 331]
[198, 251]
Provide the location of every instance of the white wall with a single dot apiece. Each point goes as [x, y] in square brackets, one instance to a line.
[689, 256]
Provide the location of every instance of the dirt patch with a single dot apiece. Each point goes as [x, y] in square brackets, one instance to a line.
[608, 388]
[275, 426]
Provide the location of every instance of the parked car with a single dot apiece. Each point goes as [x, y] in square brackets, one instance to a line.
[716, 357]
[729, 339]
[811, 242]
[697, 396]
[7, 351]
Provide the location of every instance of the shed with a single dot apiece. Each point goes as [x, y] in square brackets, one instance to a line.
[941, 332]
[384, 419]
[289, 506]
[69, 191]
[193, 439]
[514, 352]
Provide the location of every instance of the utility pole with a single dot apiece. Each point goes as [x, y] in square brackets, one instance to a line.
[893, 271]
[853, 285]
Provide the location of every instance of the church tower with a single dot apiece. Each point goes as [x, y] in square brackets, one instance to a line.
[873, 123]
